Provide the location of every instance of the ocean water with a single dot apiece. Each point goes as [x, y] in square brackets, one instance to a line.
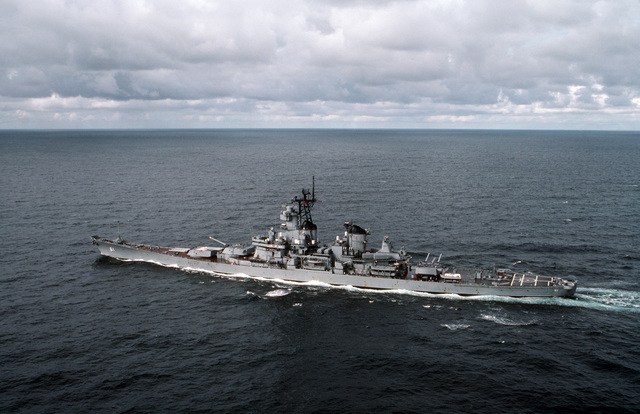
[82, 333]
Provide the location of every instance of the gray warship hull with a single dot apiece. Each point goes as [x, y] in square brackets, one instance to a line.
[512, 285]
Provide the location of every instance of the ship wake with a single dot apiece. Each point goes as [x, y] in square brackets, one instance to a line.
[586, 297]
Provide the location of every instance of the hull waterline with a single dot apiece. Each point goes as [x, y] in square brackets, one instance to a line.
[176, 258]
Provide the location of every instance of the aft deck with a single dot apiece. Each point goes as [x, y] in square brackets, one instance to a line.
[492, 278]
[524, 279]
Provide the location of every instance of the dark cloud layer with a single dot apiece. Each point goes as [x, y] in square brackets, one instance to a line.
[198, 63]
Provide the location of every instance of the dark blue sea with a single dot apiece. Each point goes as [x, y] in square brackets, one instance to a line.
[80, 333]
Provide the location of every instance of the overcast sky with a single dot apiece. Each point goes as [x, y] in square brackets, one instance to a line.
[542, 64]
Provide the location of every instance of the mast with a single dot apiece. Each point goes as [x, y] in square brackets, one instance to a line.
[305, 204]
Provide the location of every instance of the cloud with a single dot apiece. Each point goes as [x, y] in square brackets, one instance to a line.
[334, 63]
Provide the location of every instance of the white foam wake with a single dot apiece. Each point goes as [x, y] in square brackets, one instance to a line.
[276, 293]
[455, 326]
[503, 320]
[609, 299]
[586, 297]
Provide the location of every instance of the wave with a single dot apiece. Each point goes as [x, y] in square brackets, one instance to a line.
[455, 326]
[276, 293]
[502, 320]
[608, 299]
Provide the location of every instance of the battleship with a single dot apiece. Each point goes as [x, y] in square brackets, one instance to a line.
[291, 252]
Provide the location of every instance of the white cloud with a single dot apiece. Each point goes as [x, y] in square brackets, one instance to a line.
[335, 63]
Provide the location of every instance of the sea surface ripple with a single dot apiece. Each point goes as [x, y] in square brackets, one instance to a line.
[83, 333]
